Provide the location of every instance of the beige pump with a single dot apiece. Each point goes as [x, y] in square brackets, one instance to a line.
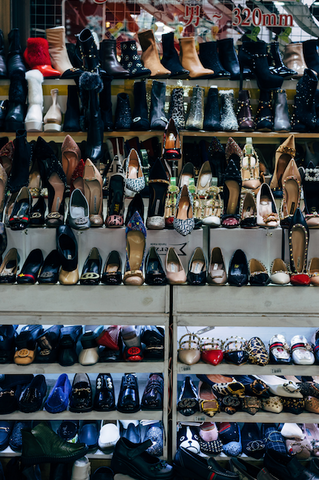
[57, 49]
[150, 57]
[53, 117]
[190, 60]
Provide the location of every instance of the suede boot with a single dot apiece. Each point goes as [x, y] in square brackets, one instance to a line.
[106, 106]
[157, 116]
[14, 57]
[211, 113]
[17, 99]
[132, 62]
[209, 58]
[19, 175]
[170, 58]
[140, 113]
[190, 61]
[150, 56]
[304, 116]
[72, 114]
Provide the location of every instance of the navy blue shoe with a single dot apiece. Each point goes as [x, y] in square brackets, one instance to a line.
[253, 445]
[89, 435]
[15, 442]
[5, 432]
[58, 399]
[33, 395]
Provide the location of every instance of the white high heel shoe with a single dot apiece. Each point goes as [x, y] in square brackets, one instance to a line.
[53, 117]
[281, 387]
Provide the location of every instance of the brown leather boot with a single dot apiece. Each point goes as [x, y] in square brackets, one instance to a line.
[150, 57]
[190, 60]
[294, 58]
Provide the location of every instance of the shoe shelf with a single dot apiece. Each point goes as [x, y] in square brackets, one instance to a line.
[248, 369]
[93, 416]
[78, 137]
[244, 417]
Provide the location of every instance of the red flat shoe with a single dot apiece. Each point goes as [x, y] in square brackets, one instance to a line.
[230, 222]
[300, 279]
[212, 351]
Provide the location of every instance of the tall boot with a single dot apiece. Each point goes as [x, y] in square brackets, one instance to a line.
[17, 99]
[131, 61]
[176, 108]
[304, 116]
[92, 83]
[264, 121]
[294, 58]
[32, 472]
[208, 55]
[281, 114]
[3, 67]
[34, 117]
[157, 116]
[72, 114]
[310, 53]
[14, 57]
[212, 114]
[275, 62]
[170, 58]
[244, 113]
[195, 117]
[106, 106]
[19, 175]
[140, 113]
[150, 56]
[228, 118]
[58, 52]
[109, 61]
[190, 61]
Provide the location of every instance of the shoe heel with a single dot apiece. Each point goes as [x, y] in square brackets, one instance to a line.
[241, 76]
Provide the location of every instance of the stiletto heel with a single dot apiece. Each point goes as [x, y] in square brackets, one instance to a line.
[298, 249]
[135, 251]
[10, 266]
[291, 193]
[158, 186]
[93, 192]
[71, 155]
[35, 180]
[232, 188]
[20, 216]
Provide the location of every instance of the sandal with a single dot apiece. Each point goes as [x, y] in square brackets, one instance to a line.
[212, 207]
[279, 351]
[211, 350]
[235, 350]
[250, 167]
[208, 403]
[189, 351]
[170, 203]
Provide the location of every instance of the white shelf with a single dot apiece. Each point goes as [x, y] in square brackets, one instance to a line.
[260, 417]
[94, 415]
[248, 369]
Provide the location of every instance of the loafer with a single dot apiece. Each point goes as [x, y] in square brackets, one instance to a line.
[188, 399]
[248, 471]
[89, 435]
[104, 398]
[58, 399]
[128, 399]
[152, 398]
[273, 438]
[32, 396]
[81, 397]
[154, 270]
[67, 247]
[279, 351]
[284, 467]
[25, 343]
[132, 459]
[50, 269]
[109, 436]
[78, 215]
[5, 433]
[253, 445]
[47, 344]
[15, 441]
[31, 268]
[191, 465]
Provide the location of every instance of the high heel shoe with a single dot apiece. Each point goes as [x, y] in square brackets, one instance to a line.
[211, 207]
[134, 177]
[313, 271]
[31, 267]
[248, 211]
[71, 155]
[135, 251]
[311, 197]
[158, 186]
[135, 205]
[197, 268]
[154, 271]
[187, 175]
[238, 269]
[20, 216]
[284, 153]
[233, 152]
[267, 214]
[184, 222]
[68, 249]
[112, 272]
[115, 213]
[53, 118]
[291, 186]
[50, 269]
[250, 167]
[171, 142]
[93, 193]
[175, 272]
[232, 188]
[298, 249]
[35, 180]
[54, 180]
[216, 269]
[78, 214]
[91, 271]
[9, 266]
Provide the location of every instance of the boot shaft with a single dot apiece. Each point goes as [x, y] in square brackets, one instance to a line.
[212, 114]
[176, 110]
[294, 58]
[56, 37]
[158, 96]
[168, 45]
[310, 54]
[281, 113]
[18, 88]
[275, 55]
[87, 50]
[14, 42]
[196, 112]
[35, 81]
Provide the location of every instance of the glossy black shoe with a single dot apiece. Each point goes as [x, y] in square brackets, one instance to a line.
[132, 459]
[31, 267]
[154, 271]
[192, 465]
[10, 266]
[112, 271]
[5, 433]
[47, 344]
[103, 473]
[37, 213]
[135, 205]
[283, 467]
[67, 347]
[15, 442]
[104, 398]
[3, 239]
[50, 269]
[9, 399]
[25, 343]
[128, 399]
[238, 269]
[67, 247]
[153, 339]
[20, 216]
[81, 397]
[32, 396]
[89, 435]
[251, 440]
[69, 431]
[246, 470]
[7, 345]
[197, 269]
[152, 398]
[188, 400]
[108, 355]
[92, 267]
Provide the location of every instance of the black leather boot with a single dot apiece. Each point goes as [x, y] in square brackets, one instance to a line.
[228, 57]
[14, 57]
[211, 113]
[7, 334]
[304, 115]
[86, 52]
[276, 65]
[264, 120]
[106, 106]
[3, 67]
[131, 61]
[140, 113]
[3, 113]
[310, 53]
[17, 98]
[19, 175]
[123, 114]
[209, 58]
[67, 348]
[92, 83]
[109, 61]
[170, 59]
[176, 108]
[72, 114]
[157, 116]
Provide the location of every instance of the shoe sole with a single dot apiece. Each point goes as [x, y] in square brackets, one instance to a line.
[120, 466]
[51, 459]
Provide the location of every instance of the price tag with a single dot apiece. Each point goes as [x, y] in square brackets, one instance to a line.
[184, 368]
[199, 418]
[276, 370]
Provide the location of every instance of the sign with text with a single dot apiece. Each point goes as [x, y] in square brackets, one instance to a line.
[247, 17]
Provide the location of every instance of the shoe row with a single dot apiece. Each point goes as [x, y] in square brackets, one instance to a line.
[69, 345]
[28, 393]
[238, 351]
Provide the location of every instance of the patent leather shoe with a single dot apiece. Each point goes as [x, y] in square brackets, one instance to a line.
[112, 271]
[238, 269]
[153, 339]
[81, 397]
[10, 266]
[33, 395]
[104, 399]
[47, 344]
[67, 247]
[197, 268]
[128, 399]
[89, 435]
[283, 467]
[25, 343]
[50, 269]
[31, 267]
[154, 271]
[152, 398]
[188, 399]
[135, 205]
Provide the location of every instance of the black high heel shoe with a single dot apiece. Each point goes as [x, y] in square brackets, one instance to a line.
[91, 272]
[135, 205]
[238, 269]
[31, 267]
[158, 186]
[112, 272]
[154, 271]
[37, 213]
[115, 213]
[188, 399]
[54, 179]
[50, 269]
[232, 188]
[20, 216]
[10, 266]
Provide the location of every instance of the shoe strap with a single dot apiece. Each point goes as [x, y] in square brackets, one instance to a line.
[140, 449]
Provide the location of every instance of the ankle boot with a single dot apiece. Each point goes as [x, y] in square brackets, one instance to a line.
[7, 335]
[19, 175]
[170, 58]
[176, 108]
[31, 472]
[294, 59]
[304, 115]
[58, 52]
[14, 57]
[310, 54]
[195, 117]
[123, 114]
[254, 56]
[72, 114]
[34, 117]
[281, 114]
[276, 64]
[17, 98]
[228, 120]
[212, 114]
[140, 113]
[36, 55]
[158, 118]
[53, 117]
[150, 56]
[106, 106]
[244, 113]
[86, 52]
[3, 67]
[190, 61]
[132, 62]
[228, 57]
[92, 83]
[109, 61]
[67, 351]
[208, 56]
[264, 116]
